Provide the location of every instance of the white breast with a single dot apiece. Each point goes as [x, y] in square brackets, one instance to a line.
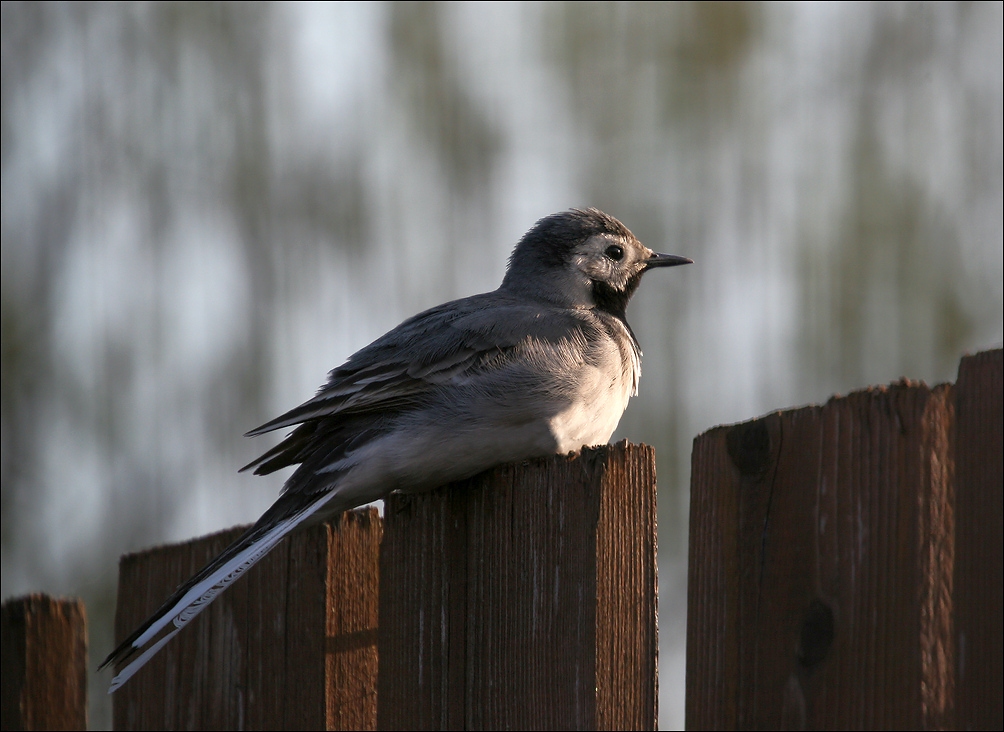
[602, 394]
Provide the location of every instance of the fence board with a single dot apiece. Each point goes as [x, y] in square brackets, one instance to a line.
[44, 647]
[821, 561]
[524, 598]
[270, 652]
[979, 618]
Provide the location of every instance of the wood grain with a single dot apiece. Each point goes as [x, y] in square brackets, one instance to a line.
[271, 651]
[979, 619]
[44, 642]
[524, 598]
[821, 555]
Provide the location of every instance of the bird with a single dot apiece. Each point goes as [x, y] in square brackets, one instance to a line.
[543, 365]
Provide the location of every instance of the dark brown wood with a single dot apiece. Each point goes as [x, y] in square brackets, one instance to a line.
[979, 617]
[524, 598]
[44, 662]
[272, 651]
[821, 555]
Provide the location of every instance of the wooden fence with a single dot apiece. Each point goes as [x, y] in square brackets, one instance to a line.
[845, 562]
[845, 571]
[43, 657]
[523, 598]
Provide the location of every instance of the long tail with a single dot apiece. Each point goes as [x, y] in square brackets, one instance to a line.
[192, 597]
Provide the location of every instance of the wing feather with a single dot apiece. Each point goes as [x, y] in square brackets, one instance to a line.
[452, 343]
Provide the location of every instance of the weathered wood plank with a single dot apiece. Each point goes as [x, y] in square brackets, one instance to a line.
[44, 661]
[979, 619]
[821, 561]
[524, 598]
[271, 651]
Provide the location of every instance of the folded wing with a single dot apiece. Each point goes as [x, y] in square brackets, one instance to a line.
[482, 339]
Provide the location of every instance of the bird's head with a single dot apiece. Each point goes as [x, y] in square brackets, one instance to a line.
[582, 258]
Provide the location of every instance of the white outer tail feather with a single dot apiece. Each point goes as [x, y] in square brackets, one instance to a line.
[198, 598]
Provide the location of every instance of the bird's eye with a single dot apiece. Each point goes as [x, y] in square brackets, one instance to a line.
[614, 252]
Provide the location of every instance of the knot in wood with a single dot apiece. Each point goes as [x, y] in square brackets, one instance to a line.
[749, 447]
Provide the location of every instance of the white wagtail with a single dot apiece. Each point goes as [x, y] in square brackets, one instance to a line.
[545, 364]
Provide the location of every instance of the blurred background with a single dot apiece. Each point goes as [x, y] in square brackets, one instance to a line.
[205, 207]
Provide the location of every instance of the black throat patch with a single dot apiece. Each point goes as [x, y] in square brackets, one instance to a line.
[613, 301]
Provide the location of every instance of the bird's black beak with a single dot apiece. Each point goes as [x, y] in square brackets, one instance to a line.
[666, 260]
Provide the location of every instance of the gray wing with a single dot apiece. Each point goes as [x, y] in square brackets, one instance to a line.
[455, 343]
[488, 347]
